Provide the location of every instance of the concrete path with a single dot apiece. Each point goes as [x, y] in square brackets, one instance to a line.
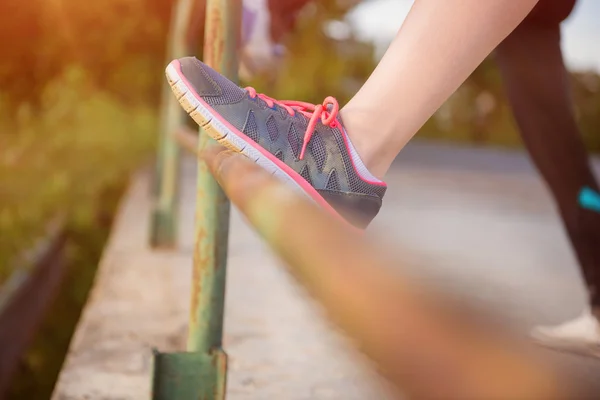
[477, 221]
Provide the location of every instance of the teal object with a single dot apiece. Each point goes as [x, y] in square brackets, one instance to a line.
[590, 199]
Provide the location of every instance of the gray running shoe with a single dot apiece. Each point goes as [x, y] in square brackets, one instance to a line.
[303, 144]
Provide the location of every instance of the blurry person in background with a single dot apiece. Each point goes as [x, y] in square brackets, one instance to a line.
[423, 65]
[259, 50]
[264, 26]
[537, 85]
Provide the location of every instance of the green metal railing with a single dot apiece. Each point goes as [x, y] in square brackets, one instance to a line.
[200, 372]
[163, 229]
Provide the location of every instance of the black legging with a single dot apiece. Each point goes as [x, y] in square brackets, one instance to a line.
[537, 85]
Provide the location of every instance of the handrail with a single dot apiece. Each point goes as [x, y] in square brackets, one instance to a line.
[426, 348]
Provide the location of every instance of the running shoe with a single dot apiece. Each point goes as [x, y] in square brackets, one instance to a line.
[303, 144]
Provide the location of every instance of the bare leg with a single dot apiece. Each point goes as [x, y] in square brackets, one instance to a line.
[438, 46]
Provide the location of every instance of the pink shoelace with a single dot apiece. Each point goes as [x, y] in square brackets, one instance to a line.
[314, 112]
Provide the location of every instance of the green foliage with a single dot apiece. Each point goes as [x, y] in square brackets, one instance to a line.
[109, 39]
[70, 154]
[58, 159]
[79, 86]
[317, 65]
[586, 95]
[479, 113]
[39, 369]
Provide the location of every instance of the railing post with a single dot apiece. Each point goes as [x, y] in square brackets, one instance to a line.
[201, 372]
[163, 230]
[221, 40]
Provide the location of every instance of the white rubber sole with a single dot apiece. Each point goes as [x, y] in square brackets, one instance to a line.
[580, 335]
[220, 132]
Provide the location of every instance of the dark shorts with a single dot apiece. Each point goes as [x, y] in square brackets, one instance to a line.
[550, 12]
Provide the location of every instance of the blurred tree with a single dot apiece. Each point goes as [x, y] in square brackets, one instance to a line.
[479, 113]
[586, 96]
[119, 43]
[320, 61]
[23, 70]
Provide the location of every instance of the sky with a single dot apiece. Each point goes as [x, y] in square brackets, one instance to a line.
[379, 20]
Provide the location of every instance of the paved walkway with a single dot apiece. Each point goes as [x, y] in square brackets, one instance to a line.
[475, 220]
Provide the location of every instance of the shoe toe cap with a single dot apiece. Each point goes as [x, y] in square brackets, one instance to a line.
[209, 84]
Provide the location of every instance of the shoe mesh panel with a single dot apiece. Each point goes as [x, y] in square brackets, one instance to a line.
[251, 129]
[272, 128]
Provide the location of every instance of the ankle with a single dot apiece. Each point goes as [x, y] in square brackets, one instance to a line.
[370, 144]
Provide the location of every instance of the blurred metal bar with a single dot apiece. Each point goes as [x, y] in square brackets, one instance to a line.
[163, 229]
[427, 348]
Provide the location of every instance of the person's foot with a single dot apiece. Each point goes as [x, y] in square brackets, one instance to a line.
[304, 144]
[580, 334]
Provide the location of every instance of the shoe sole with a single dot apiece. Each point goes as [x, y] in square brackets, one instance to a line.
[232, 138]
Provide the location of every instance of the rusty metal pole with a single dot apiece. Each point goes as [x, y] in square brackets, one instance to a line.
[427, 346]
[221, 43]
[164, 213]
[200, 373]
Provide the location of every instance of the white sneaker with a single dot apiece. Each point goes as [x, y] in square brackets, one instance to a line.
[583, 331]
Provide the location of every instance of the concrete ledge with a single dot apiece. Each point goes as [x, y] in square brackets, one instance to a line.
[137, 303]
